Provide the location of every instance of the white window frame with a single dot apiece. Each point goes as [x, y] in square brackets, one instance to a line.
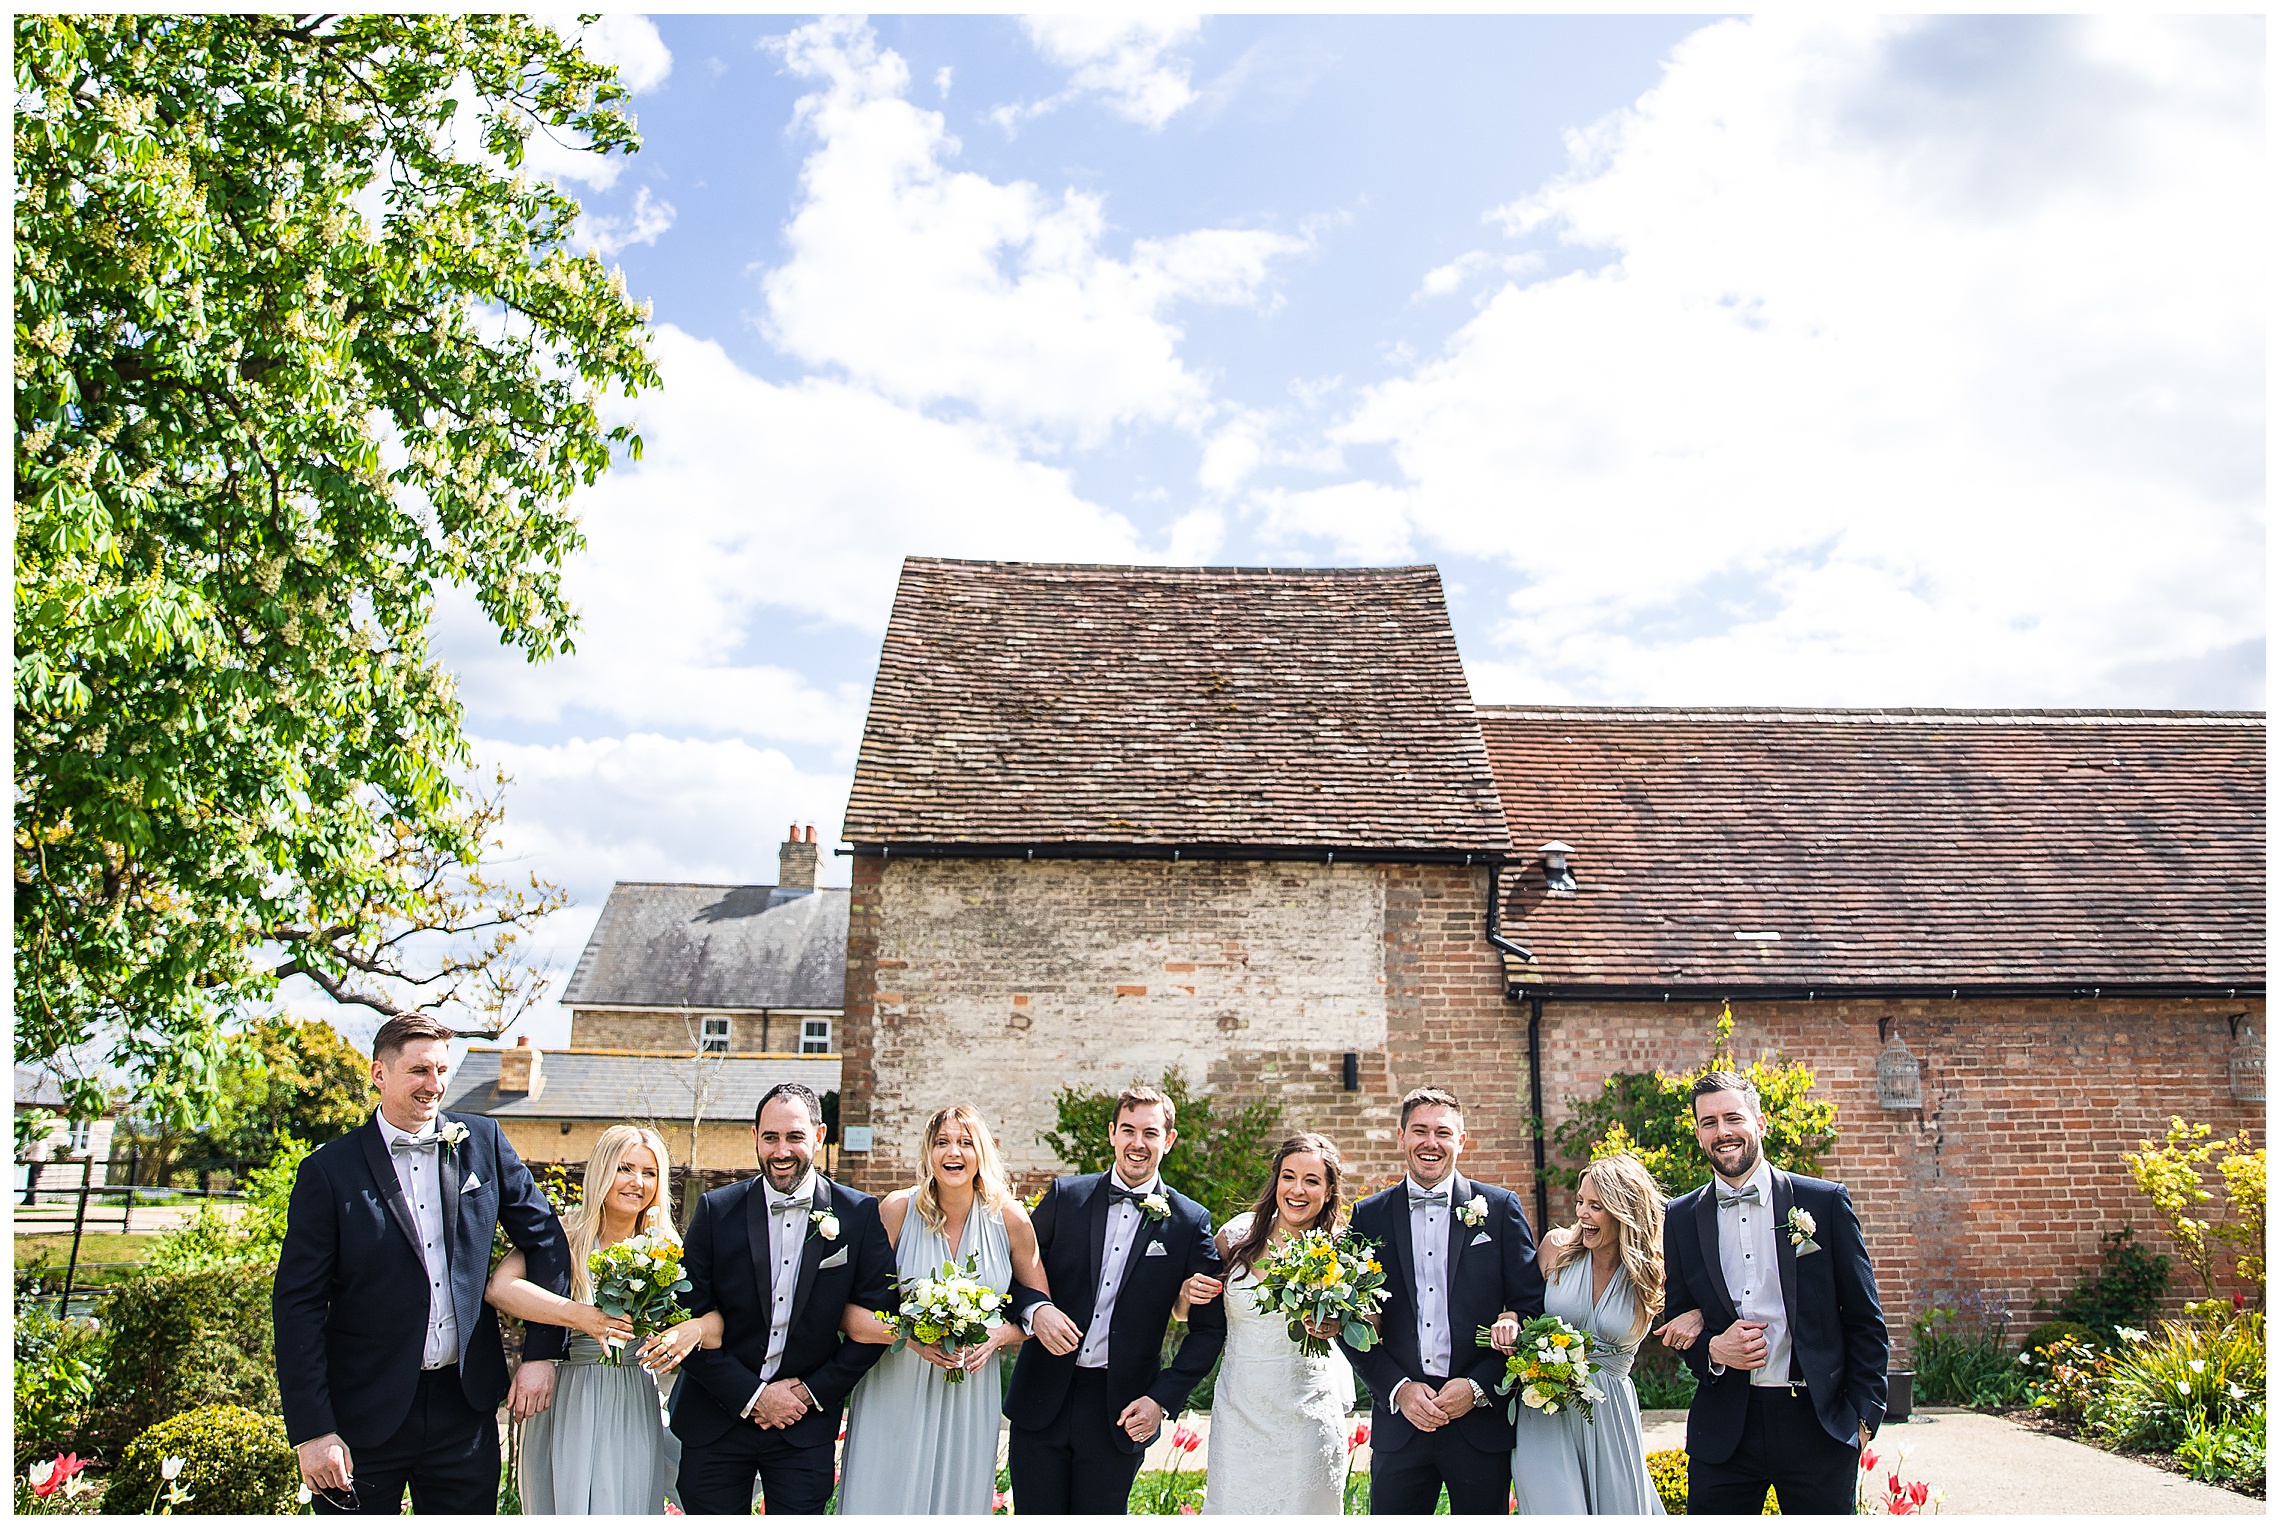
[712, 1041]
[817, 1031]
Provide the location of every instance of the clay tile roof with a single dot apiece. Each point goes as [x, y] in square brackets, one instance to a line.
[1887, 848]
[1034, 703]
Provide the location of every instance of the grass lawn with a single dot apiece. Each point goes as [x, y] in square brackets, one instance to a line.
[94, 1248]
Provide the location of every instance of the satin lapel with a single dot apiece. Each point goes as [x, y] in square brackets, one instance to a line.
[1706, 1229]
[813, 1249]
[1784, 1197]
[1096, 1227]
[756, 1237]
[1398, 1238]
[391, 1189]
[451, 1172]
[1460, 1235]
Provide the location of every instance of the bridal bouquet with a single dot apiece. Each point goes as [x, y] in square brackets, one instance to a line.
[949, 1309]
[1316, 1277]
[638, 1279]
[1552, 1367]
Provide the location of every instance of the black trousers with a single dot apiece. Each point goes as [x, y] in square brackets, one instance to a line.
[1077, 1465]
[446, 1451]
[794, 1478]
[1783, 1447]
[1410, 1481]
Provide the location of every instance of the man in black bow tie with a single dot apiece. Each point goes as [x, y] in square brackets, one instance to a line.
[1091, 1394]
[1457, 1254]
[1791, 1371]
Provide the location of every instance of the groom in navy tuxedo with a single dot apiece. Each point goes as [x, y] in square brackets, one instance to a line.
[1090, 1394]
[1457, 1254]
[1791, 1380]
[780, 1257]
[388, 1361]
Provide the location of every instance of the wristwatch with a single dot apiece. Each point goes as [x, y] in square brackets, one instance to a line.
[1480, 1396]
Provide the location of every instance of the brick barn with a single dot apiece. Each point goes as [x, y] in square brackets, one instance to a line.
[1248, 822]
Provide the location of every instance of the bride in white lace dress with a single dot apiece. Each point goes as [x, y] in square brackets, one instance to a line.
[1278, 1419]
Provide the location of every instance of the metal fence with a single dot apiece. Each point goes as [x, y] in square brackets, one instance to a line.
[80, 1195]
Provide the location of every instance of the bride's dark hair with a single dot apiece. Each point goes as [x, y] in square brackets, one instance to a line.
[1265, 1216]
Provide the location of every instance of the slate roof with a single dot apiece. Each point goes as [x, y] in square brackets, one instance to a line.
[677, 945]
[616, 1085]
[1886, 847]
[1057, 704]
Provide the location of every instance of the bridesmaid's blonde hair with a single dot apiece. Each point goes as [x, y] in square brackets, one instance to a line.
[583, 1226]
[992, 1189]
[1629, 1194]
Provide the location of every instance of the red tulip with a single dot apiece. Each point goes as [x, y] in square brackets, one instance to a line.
[1185, 1439]
[1867, 1458]
[673, 1512]
[60, 1470]
[1187, 1508]
[1359, 1437]
[1000, 1501]
[1919, 1493]
[1896, 1489]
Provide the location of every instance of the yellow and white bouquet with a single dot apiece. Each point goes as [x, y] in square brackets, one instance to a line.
[1551, 1368]
[638, 1279]
[949, 1309]
[1317, 1278]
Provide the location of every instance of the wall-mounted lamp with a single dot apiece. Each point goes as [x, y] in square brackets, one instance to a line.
[1353, 1073]
[2246, 1064]
[1557, 877]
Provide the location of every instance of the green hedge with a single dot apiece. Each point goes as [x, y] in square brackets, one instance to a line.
[233, 1461]
[180, 1342]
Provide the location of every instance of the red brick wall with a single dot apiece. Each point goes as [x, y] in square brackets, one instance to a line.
[2003, 1183]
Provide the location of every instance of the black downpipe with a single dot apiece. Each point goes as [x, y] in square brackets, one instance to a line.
[1536, 1109]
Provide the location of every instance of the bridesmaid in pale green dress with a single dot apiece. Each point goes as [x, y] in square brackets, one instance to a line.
[1602, 1276]
[601, 1446]
[915, 1442]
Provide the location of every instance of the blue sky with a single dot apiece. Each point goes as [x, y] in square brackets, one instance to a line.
[1796, 360]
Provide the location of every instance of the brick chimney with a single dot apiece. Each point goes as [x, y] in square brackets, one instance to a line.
[795, 861]
[519, 1070]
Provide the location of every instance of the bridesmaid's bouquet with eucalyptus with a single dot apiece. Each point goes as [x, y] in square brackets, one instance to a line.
[950, 1309]
[638, 1279]
[1551, 1368]
[1317, 1279]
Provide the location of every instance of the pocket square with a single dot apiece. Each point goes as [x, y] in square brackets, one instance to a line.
[1478, 1239]
[1805, 1248]
[836, 1259]
[473, 1183]
[1155, 1250]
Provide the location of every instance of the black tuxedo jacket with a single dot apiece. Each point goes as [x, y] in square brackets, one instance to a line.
[1072, 1236]
[1492, 1269]
[727, 1259]
[350, 1303]
[1836, 1327]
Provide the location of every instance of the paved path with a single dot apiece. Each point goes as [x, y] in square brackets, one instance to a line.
[1989, 1465]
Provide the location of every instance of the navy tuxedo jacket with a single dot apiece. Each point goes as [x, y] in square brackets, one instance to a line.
[1836, 1327]
[1072, 1237]
[1492, 1269]
[350, 1302]
[727, 1259]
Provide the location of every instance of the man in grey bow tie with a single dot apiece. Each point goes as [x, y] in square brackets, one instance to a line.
[1457, 1252]
[1791, 1373]
[389, 1363]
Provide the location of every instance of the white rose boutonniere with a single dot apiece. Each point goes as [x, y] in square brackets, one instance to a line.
[1474, 1211]
[452, 1134]
[826, 1225]
[1155, 1207]
[1801, 1228]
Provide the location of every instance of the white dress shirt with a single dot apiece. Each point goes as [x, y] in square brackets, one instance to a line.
[1429, 1246]
[1749, 1258]
[1126, 1228]
[419, 1172]
[788, 1226]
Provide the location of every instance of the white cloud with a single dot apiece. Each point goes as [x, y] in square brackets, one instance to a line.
[1365, 523]
[643, 223]
[632, 44]
[940, 286]
[755, 505]
[1120, 58]
[1920, 359]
